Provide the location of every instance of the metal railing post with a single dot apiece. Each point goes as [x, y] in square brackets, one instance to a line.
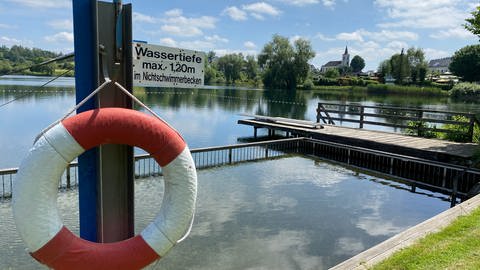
[68, 176]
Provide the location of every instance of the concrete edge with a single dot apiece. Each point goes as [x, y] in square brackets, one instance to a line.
[380, 252]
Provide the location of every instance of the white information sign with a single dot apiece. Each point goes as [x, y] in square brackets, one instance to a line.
[160, 66]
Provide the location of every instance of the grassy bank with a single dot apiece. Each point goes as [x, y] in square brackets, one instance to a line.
[383, 89]
[455, 247]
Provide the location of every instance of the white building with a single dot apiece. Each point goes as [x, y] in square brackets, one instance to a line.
[439, 65]
[345, 62]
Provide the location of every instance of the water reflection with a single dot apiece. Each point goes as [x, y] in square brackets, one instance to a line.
[290, 213]
[276, 219]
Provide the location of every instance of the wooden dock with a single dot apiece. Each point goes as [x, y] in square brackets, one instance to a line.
[431, 149]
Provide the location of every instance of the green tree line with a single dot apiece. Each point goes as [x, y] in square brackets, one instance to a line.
[280, 65]
[18, 57]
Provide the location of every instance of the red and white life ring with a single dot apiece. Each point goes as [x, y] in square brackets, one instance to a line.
[36, 186]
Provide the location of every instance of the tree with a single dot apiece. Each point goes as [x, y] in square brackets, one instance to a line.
[285, 65]
[251, 67]
[332, 73]
[357, 64]
[384, 69]
[211, 56]
[473, 24]
[231, 66]
[303, 54]
[400, 68]
[417, 64]
[466, 63]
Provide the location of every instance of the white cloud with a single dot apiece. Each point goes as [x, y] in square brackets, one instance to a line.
[257, 16]
[6, 26]
[423, 14]
[328, 3]
[182, 31]
[168, 42]
[235, 13]
[178, 25]
[323, 37]
[198, 45]
[208, 43]
[174, 12]
[397, 45]
[300, 3]
[458, 32]
[205, 22]
[8, 41]
[386, 35]
[361, 35]
[66, 24]
[435, 54]
[60, 37]
[216, 38]
[249, 45]
[260, 9]
[142, 18]
[354, 36]
[222, 52]
[43, 3]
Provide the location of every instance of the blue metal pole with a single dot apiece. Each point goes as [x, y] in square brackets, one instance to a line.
[86, 80]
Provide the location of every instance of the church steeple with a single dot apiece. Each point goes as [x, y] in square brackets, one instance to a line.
[346, 58]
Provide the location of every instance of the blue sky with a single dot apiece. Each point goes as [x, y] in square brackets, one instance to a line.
[373, 29]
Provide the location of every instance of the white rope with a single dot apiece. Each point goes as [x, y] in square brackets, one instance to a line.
[107, 81]
[134, 98]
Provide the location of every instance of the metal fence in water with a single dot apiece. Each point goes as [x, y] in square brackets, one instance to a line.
[442, 177]
[145, 165]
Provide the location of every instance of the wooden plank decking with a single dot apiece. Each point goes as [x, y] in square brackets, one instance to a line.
[432, 149]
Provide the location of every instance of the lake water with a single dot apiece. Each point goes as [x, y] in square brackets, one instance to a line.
[288, 213]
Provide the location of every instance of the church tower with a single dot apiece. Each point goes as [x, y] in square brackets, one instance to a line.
[346, 58]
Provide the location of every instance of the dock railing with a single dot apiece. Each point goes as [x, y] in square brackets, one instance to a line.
[146, 166]
[418, 121]
[453, 180]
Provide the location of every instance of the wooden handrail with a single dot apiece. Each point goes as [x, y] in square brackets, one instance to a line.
[420, 116]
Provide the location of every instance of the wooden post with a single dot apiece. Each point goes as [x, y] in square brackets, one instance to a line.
[318, 113]
[471, 128]
[420, 123]
[362, 116]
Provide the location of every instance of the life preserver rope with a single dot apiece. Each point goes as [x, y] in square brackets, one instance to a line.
[36, 186]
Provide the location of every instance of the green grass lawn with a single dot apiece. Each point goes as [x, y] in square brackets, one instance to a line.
[455, 247]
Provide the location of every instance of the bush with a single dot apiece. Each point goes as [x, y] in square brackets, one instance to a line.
[401, 89]
[413, 127]
[325, 81]
[460, 132]
[442, 86]
[308, 84]
[465, 90]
